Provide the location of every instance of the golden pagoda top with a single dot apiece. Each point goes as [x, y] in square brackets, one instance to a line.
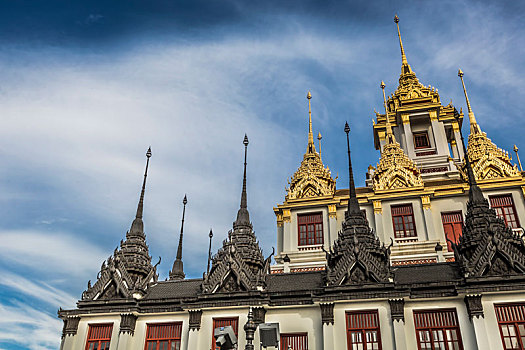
[312, 179]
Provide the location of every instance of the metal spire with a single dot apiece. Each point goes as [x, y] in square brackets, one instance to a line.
[518, 157]
[389, 135]
[243, 217]
[138, 225]
[474, 127]
[311, 145]
[405, 66]
[353, 204]
[178, 268]
[209, 253]
[319, 137]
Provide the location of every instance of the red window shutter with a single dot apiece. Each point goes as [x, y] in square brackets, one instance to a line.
[511, 322]
[363, 331]
[99, 336]
[504, 207]
[437, 329]
[310, 229]
[298, 341]
[453, 226]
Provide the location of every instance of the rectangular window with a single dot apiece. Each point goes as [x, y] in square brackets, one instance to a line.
[362, 328]
[403, 220]
[295, 341]
[511, 321]
[421, 140]
[99, 336]
[310, 227]
[166, 336]
[223, 322]
[453, 226]
[504, 207]
[437, 329]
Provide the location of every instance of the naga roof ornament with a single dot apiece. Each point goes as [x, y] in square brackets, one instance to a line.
[239, 264]
[488, 161]
[357, 256]
[312, 179]
[487, 246]
[128, 272]
[395, 169]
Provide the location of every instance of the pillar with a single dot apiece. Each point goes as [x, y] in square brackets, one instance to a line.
[332, 225]
[440, 138]
[427, 215]
[127, 329]
[475, 313]
[69, 331]
[454, 148]
[457, 138]
[397, 313]
[287, 227]
[378, 218]
[327, 317]
[193, 329]
[409, 137]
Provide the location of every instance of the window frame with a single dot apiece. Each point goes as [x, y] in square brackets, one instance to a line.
[298, 334]
[405, 235]
[430, 329]
[427, 138]
[158, 339]
[318, 233]
[91, 327]
[514, 322]
[363, 330]
[511, 205]
[223, 319]
[452, 223]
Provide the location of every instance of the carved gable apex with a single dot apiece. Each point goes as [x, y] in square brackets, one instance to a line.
[488, 160]
[395, 170]
[312, 179]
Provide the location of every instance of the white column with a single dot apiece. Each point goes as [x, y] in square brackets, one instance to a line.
[378, 217]
[440, 138]
[427, 216]
[328, 336]
[399, 335]
[68, 342]
[397, 316]
[124, 340]
[457, 137]
[454, 148]
[409, 137]
[287, 234]
[193, 339]
[481, 333]
[332, 225]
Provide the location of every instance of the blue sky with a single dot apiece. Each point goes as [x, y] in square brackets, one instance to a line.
[86, 87]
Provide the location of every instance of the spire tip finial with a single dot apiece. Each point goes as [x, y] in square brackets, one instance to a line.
[309, 95]
[396, 19]
[460, 73]
[245, 141]
[148, 153]
[185, 200]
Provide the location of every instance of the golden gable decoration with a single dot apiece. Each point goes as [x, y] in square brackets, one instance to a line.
[395, 169]
[312, 179]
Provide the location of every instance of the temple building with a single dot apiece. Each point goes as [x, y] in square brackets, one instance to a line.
[428, 255]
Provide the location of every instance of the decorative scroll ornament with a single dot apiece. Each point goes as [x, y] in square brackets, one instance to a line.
[312, 179]
[395, 169]
[128, 272]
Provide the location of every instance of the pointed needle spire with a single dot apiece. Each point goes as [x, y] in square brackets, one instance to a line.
[389, 135]
[178, 268]
[209, 253]
[353, 204]
[141, 200]
[311, 145]
[404, 61]
[243, 217]
[319, 137]
[474, 127]
[518, 157]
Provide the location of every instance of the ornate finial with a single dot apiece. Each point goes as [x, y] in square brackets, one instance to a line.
[518, 157]
[403, 56]
[389, 135]
[474, 127]
[178, 268]
[243, 217]
[311, 145]
[319, 137]
[353, 204]
[209, 253]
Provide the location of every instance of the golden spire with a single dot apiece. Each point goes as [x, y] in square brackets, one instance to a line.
[403, 56]
[311, 145]
[474, 127]
[319, 137]
[389, 135]
[518, 157]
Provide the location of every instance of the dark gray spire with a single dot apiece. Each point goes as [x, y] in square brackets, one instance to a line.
[243, 217]
[137, 227]
[209, 253]
[177, 272]
[353, 204]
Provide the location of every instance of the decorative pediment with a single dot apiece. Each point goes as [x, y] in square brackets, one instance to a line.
[488, 160]
[395, 170]
[312, 179]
